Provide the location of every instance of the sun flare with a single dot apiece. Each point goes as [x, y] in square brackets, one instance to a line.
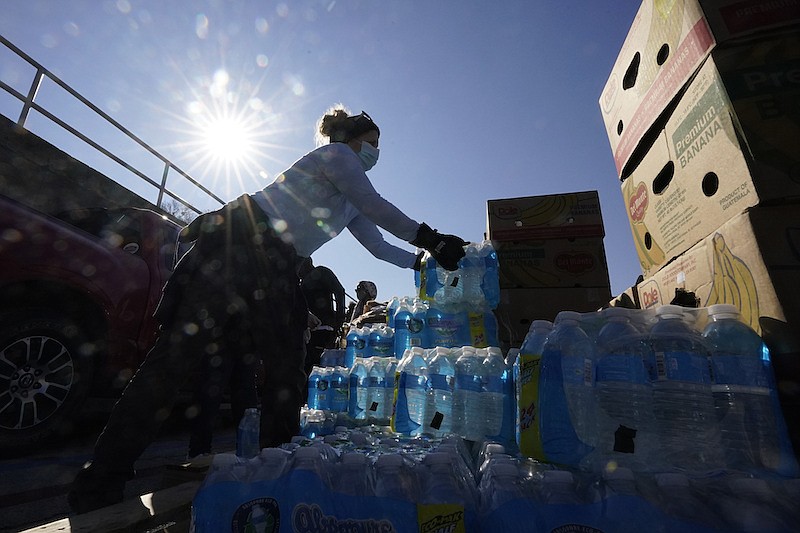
[228, 140]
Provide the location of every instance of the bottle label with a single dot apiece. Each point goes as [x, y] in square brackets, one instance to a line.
[468, 383]
[682, 366]
[624, 368]
[740, 370]
[440, 382]
[530, 439]
[494, 384]
[441, 517]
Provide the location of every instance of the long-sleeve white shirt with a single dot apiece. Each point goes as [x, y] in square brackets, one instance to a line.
[327, 190]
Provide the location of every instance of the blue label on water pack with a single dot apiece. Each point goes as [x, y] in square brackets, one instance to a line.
[624, 368]
[493, 384]
[439, 381]
[683, 366]
[747, 371]
[468, 382]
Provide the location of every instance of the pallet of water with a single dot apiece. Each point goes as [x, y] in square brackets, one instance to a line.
[372, 479]
[674, 389]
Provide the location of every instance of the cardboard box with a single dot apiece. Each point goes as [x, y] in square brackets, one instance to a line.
[555, 216]
[752, 261]
[762, 82]
[698, 174]
[629, 299]
[666, 43]
[552, 263]
[519, 307]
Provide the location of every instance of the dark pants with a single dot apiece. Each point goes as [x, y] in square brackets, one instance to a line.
[235, 374]
[236, 288]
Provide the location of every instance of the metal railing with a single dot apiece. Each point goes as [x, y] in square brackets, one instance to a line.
[29, 103]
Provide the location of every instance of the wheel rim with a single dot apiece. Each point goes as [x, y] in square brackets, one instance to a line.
[36, 374]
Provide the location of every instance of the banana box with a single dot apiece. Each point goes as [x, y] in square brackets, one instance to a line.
[519, 307]
[752, 261]
[667, 42]
[554, 216]
[552, 263]
[702, 170]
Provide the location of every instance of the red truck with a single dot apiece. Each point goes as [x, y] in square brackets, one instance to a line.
[77, 295]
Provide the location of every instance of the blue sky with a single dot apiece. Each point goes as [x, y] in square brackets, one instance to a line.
[475, 100]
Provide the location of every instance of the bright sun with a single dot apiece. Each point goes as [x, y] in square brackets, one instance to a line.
[227, 140]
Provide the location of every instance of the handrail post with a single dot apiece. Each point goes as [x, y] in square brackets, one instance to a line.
[26, 106]
[163, 184]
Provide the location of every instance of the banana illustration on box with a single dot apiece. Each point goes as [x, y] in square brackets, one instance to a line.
[733, 283]
[549, 210]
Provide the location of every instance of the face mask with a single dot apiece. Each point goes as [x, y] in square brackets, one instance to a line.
[368, 155]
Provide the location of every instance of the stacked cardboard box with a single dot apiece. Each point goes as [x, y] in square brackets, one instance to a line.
[701, 110]
[551, 256]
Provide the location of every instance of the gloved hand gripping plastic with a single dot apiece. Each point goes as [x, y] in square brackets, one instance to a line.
[446, 249]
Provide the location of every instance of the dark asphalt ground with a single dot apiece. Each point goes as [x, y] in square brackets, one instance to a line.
[33, 487]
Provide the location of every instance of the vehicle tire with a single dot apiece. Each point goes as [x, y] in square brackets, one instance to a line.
[45, 376]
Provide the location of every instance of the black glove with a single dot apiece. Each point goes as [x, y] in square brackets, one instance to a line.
[418, 262]
[446, 249]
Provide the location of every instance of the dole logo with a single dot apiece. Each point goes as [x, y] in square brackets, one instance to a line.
[637, 203]
[649, 295]
[507, 210]
[611, 94]
[574, 263]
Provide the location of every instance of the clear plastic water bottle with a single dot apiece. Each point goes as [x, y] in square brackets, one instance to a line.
[353, 475]
[416, 327]
[402, 322]
[490, 284]
[678, 501]
[362, 338]
[391, 310]
[224, 468]
[469, 419]
[745, 399]
[443, 483]
[412, 392]
[376, 390]
[471, 279]
[314, 458]
[318, 384]
[339, 389]
[682, 400]
[494, 392]
[534, 339]
[450, 287]
[625, 427]
[559, 487]
[749, 505]
[439, 404]
[396, 479]
[381, 342]
[357, 408]
[491, 453]
[390, 383]
[247, 435]
[272, 464]
[503, 484]
[567, 389]
[350, 346]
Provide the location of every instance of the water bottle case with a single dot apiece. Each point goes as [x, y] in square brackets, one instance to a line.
[361, 482]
